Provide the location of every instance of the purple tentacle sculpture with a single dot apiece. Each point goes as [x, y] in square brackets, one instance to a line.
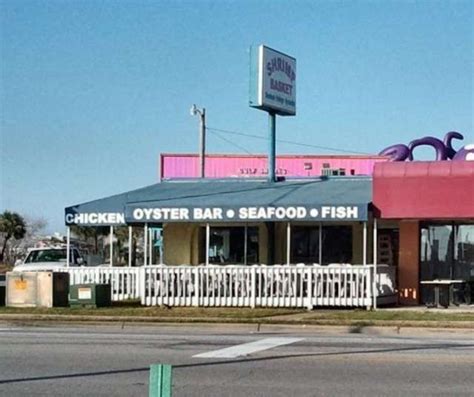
[466, 153]
[396, 152]
[429, 141]
[450, 151]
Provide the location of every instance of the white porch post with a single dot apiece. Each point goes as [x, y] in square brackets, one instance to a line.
[288, 242]
[208, 238]
[364, 243]
[111, 242]
[68, 246]
[130, 231]
[150, 246]
[375, 264]
[145, 244]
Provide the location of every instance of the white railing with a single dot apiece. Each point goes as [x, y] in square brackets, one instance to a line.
[258, 286]
[124, 281]
[242, 286]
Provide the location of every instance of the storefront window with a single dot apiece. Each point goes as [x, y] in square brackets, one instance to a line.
[464, 252]
[233, 245]
[447, 253]
[336, 244]
[436, 252]
[305, 244]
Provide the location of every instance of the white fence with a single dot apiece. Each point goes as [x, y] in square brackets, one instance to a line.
[243, 286]
[258, 286]
[124, 281]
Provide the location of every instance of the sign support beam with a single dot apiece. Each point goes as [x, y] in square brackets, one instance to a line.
[272, 146]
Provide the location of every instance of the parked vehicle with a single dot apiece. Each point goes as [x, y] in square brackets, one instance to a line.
[49, 259]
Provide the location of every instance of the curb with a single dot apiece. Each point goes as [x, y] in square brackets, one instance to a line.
[143, 320]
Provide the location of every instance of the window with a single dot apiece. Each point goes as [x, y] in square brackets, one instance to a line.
[233, 245]
[46, 255]
[336, 244]
[305, 244]
[447, 251]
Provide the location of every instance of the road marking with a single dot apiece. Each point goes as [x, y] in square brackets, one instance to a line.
[248, 348]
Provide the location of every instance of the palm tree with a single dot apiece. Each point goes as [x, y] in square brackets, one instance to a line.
[11, 225]
[86, 233]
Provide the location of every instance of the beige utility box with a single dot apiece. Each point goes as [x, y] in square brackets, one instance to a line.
[37, 289]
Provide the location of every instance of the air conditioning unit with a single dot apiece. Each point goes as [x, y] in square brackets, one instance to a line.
[37, 289]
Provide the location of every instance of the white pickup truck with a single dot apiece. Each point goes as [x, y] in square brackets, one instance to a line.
[49, 259]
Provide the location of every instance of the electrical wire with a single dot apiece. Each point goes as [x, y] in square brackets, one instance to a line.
[213, 131]
[287, 141]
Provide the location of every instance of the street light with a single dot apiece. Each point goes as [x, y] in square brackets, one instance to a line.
[202, 135]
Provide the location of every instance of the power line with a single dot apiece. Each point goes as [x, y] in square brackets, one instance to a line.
[286, 141]
[213, 131]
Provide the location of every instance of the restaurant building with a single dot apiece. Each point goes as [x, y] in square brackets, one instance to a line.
[432, 204]
[413, 221]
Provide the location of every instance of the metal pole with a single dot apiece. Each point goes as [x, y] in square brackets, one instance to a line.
[68, 246]
[161, 245]
[320, 253]
[288, 242]
[202, 135]
[130, 231]
[245, 244]
[111, 246]
[364, 243]
[375, 263]
[208, 239]
[145, 244]
[272, 146]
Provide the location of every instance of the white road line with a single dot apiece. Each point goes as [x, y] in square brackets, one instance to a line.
[248, 348]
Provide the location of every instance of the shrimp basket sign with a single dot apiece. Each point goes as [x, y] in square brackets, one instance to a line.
[272, 81]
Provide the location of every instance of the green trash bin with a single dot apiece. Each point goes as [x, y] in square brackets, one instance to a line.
[90, 295]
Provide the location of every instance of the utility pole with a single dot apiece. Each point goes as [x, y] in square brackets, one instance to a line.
[202, 138]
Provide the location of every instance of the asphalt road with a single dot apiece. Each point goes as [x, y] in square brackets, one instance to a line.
[78, 360]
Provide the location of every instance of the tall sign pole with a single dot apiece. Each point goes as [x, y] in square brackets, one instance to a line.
[273, 89]
[272, 146]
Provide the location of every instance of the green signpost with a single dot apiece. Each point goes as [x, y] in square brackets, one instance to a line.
[160, 380]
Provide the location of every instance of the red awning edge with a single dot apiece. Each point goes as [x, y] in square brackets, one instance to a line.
[424, 190]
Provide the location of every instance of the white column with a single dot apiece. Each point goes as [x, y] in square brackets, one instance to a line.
[375, 264]
[288, 242]
[364, 243]
[68, 246]
[130, 231]
[111, 242]
[145, 244]
[150, 246]
[208, 238]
